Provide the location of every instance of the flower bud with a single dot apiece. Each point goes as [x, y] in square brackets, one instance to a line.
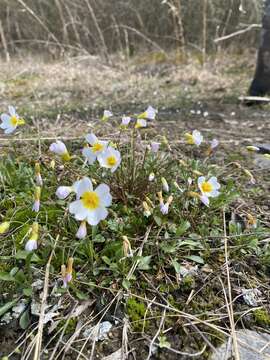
[127, 247]
[147, 211]
[151, 177]
[38, 177]
[82, 231]
[165, 185]
[62, 192]
[4, 227]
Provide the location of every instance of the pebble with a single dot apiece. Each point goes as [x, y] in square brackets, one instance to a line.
[252, 346]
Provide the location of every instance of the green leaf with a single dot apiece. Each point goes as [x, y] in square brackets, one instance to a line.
[106, 260]
[176, 266]
[144, 262]
[126, 284]
[99, 238]
[81, 296]
[28, 292]
[7, 306]
[25, 320]
[23, 255]
[168, 248]
[158, 220]
[182, 228]
[4, 276]
[195, 258]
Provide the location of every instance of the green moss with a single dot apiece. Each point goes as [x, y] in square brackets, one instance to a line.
[262, 317]
[188, 283]
[70, 327]
[136, 311]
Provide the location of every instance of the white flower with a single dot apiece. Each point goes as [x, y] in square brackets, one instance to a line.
[165, 185]
[11, 121]
[164, 208]
[97, 147]
[106, 115]
[141, 123]
[59, 148]
[151, 177]
[36, 205]
[126, 120]
[38, 176]
[214, 143]
[67, 272]
[154, 146]
[82, 231]
[110, 159]
[209, 188]
[149, 114]
[31, 245]
[39, 180]
[91, 204]
[195, 138]
[62, 192]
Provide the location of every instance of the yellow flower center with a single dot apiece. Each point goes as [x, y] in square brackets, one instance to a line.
[14, 120]
[111, 161]
[190, 139]
[90, 200]
[206, 187]
[65, 156]
[97, 147]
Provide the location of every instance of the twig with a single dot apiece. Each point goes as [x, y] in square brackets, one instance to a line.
[229, 306]
[156, 335]
[43, 306]
[239, 32]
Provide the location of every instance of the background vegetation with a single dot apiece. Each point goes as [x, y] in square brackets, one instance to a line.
[103, 27]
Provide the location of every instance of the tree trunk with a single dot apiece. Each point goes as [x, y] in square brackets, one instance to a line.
[261, 82]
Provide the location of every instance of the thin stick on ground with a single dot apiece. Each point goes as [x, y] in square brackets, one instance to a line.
[229, 305]
[156, 335]
[39, 335]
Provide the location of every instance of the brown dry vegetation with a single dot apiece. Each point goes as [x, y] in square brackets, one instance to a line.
[103, 27]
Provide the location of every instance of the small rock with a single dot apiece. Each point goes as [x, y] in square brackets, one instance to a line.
[252, 346]
[99, 331]
[250, 296]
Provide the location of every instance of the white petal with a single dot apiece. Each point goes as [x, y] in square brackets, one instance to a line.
[10, 129]
[213, 193]
[5, 118]
[91, 138]
[84, 185]
[126, 120]
[205, 200]
[213, 181]
[94, 217]
[12, 110]
[103, 192]
[89, 155]
[77, 208]
[201, 180]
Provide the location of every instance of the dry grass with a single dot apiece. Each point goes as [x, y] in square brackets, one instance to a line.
[86, 81]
